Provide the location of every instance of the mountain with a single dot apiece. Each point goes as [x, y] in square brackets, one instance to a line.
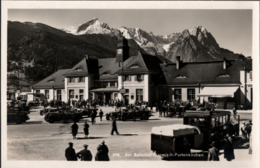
[193, 45]
[36, 50]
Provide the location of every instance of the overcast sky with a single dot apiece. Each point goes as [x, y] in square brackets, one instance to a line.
[232, 29]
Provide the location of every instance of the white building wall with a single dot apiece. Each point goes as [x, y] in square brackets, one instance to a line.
[65, 96]
[86, 90]
[51, 95]
[184, 94]
[119, 86]
[146, 87]
[196, 93]
[243, 86]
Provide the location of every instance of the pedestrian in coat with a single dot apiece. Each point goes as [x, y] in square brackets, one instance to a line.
[93, 116]
[114, 127]
[70, 153]
[213, 154]
[102, 152]
[101, 114]
[74, 130]
[229, 149]
[85, 154]
[86, 129]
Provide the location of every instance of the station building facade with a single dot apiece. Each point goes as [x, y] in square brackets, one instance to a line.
[141, 77]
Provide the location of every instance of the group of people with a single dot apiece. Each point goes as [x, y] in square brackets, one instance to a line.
[213, 153]
[94, 115]
[85, 154]
[75, 127]
[246, 130]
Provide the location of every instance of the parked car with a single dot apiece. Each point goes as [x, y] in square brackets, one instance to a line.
[48, 110]
[63, 116]
[130, 114]
[17, 113]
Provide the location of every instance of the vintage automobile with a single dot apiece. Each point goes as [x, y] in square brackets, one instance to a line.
[63, 116]
[172, 140]
[48, 110]
[87, 111]
[129, 114]
[198, 130]
[17, 113]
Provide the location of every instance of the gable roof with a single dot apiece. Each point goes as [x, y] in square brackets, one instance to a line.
[203, 73]
[141, 64]
[83, 68]
[55, 80]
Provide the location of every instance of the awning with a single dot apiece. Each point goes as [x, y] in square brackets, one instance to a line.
[105, 90]
[218, 91]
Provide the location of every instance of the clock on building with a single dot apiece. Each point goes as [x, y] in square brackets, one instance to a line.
[119, 51]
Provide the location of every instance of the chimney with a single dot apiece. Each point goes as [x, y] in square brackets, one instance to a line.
[224, 63]
[178, 62]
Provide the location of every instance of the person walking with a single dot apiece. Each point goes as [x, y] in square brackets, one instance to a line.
[101, 114]
[85, 154]
[93, 116]
[74, 130]
[86, 129]
[114, 127]
[213, 154]
[102, 152]
[229, 149]
[70, 153]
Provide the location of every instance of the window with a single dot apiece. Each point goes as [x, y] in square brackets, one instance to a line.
[191, 94]
[71, 80]
[139, 94]
[177, 94]
[181, 77]
[127, 78]
[81, 91]
[71, 93]
[139, 78]
[58, 94]
[37, 92]
[81, 79]
[47, 94]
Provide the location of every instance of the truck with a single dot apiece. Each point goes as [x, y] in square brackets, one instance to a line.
[194, 136]
[17, 113]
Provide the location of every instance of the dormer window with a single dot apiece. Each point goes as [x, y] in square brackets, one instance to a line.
[78, 69]
[105, 74]
[225, 75]
[134, 66]
[181, 77]
[51, 81]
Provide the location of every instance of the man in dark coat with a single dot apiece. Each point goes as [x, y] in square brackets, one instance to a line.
[102, 152]
[85, 154]
[213, 154]
[101, 114]
[114, 127]
[70, 153]
[229, 149]
[74, 130]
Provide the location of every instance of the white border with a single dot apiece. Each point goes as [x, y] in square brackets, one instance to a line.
[130, 5]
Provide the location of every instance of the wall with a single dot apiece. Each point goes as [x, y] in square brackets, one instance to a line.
[133, 85]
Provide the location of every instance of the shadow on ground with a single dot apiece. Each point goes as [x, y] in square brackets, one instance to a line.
[127, 134]
[81, 138]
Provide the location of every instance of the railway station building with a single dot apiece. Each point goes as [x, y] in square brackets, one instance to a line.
[142, 77]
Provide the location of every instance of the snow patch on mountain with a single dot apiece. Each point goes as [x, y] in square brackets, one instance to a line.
[125, 32]
[166, 47]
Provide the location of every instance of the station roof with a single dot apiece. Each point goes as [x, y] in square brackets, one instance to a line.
[55, 80]
[203, 73]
